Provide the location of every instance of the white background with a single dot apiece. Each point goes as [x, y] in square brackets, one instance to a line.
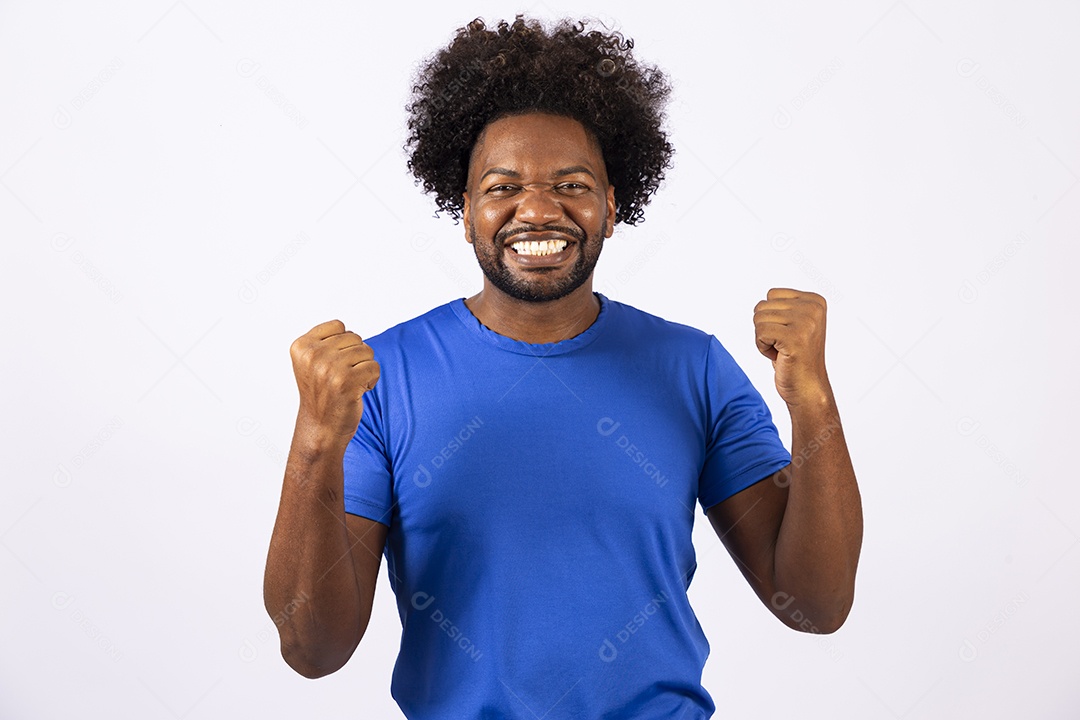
[186, 188]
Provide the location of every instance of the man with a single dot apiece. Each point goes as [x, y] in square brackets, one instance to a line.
[528, 459]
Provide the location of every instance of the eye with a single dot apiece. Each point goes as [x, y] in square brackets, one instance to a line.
[501, 189]
[572, 188]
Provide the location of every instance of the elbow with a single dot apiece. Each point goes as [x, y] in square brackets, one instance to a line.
[839, 618]
[827, 625]
[819, 624]
[312, 672]
[315, 650]
[312, 663]
[822, 618]
[310, 667]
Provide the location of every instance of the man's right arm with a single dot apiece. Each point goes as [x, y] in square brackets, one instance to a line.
[323, 564]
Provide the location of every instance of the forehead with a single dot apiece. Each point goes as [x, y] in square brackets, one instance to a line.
[535, 141]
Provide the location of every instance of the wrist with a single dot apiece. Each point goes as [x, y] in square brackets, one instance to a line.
[314, 441]
[813, 401]
[813, 423]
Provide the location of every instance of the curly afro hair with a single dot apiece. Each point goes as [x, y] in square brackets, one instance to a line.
[588, 75]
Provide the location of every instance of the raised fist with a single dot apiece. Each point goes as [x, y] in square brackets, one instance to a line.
[333, 368]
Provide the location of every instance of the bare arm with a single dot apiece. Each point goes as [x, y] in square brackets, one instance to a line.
[818, 546]
[797, 535]
[322, 565]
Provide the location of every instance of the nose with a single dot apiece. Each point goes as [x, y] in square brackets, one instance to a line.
[538, 205]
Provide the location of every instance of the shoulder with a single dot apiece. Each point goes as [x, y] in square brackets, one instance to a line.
[421, 329]
[655, 329]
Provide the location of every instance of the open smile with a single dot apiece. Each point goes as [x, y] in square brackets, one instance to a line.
[540, 253]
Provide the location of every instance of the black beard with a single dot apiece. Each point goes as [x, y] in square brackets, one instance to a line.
[496, 271]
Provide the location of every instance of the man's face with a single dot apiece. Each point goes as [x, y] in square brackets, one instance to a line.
[537, 178]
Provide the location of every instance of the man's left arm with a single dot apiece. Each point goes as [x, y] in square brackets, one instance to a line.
[796, 535]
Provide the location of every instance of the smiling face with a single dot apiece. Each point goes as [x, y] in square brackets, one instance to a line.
[538, 205]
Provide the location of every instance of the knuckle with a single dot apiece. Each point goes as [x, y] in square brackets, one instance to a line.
[337, 383]
[297, 346]
[371, 375]
[322, 371]
[302, 355]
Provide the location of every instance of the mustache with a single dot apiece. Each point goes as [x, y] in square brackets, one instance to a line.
[503, 235]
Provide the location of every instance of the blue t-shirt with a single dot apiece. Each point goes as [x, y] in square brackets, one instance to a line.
[540, 500]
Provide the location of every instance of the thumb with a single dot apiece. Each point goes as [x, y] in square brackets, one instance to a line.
[767, 347]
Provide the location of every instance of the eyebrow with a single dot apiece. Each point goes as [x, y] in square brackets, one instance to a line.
[500, 171]
[573, 169]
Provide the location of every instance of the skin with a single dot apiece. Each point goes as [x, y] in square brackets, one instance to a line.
[518, 180]
[322, 564]
[796, 536]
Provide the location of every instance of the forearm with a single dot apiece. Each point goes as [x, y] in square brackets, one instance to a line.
[310, 587]
[818, 544]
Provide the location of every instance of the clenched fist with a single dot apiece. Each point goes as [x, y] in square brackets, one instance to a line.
[333, 368]
[789, 328]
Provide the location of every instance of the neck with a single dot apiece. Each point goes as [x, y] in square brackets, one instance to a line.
[535, 322]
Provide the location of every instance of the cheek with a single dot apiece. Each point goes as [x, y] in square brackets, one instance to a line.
[587, 215]
[492, 217]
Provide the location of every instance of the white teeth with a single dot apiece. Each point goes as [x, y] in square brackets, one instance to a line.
[539, 247]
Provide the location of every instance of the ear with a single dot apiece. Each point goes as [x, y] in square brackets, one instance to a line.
[610, 210]
[466, 220]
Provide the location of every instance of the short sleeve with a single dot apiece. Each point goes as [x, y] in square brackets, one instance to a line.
[369, 481]
[742, 445]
